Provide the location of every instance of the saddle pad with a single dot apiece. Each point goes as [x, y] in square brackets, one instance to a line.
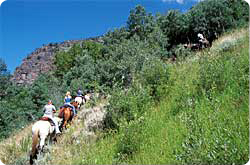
[44, 118]
[47, 119]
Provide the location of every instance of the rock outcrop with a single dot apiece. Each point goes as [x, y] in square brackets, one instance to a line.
[41, 61]
[93, 118]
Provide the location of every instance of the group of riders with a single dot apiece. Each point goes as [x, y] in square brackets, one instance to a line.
[49, 109]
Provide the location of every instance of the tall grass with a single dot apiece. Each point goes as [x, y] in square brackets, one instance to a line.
[202, 120]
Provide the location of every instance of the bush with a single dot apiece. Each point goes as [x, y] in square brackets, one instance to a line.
[181, 53]
[154, 75]
[126, 106]
[129, 141]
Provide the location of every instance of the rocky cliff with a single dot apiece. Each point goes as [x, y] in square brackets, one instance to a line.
[41, 61]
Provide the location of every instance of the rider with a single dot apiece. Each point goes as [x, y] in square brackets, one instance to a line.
[202, 40]
[49, 111]
[79, 92]
[67, 100]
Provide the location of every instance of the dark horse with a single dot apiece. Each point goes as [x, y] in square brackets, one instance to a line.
[66, 114]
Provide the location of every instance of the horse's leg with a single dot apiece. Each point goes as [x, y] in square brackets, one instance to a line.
[65, 123]
[42, 142]
[52, 138]
[61, 125]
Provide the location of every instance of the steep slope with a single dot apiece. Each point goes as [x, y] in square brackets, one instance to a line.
[203, 119]
[190, 125]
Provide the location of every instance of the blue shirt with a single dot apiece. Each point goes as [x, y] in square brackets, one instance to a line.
[67, 99]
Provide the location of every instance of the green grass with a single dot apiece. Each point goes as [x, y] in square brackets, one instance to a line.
[203, 119]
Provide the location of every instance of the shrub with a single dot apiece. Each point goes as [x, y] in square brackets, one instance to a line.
[154, 75]
[128, 142]
[126, 106]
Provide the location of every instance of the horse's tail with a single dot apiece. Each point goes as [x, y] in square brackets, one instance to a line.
[34, 146]
[61, 113]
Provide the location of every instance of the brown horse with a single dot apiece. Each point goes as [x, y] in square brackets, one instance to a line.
[67, 114]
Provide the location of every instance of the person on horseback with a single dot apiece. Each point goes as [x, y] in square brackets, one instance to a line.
[79, 92]
[49, 111]
[67, 101]
[202, 41]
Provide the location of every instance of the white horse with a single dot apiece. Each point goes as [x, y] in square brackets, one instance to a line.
[80, 101]
[41, 131]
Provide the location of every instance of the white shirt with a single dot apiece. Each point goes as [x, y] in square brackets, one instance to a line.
[48, 110]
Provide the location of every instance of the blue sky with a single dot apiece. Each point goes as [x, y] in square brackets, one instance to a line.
[28, 24]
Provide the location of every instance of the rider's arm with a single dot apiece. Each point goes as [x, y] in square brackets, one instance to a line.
[54, 109]
[44, 109]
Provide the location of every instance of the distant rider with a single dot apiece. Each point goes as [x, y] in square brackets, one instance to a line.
[202, 41]
[79, 92]
[67, 100]
[49, 111]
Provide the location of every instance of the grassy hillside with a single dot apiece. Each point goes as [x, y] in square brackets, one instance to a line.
[201, 117]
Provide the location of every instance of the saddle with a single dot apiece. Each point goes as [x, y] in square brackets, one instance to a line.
[47, 119]
[67, 106]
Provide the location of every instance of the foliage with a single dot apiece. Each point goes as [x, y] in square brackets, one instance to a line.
[186, 126]
[194, 111]
[129, 142]
[127, 106]
[64, 61]
[154, 75]
[95, 49]
[4, 78]
[139, 22]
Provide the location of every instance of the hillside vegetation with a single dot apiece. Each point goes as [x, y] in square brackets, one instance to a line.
[193, 110]
[202, 118]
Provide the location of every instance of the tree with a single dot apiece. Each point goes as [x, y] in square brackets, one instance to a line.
[66, 60]
[4, 78]
[139, 22]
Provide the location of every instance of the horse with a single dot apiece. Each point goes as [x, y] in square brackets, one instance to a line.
[80, 100]
[66, 114]
[41, 131]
